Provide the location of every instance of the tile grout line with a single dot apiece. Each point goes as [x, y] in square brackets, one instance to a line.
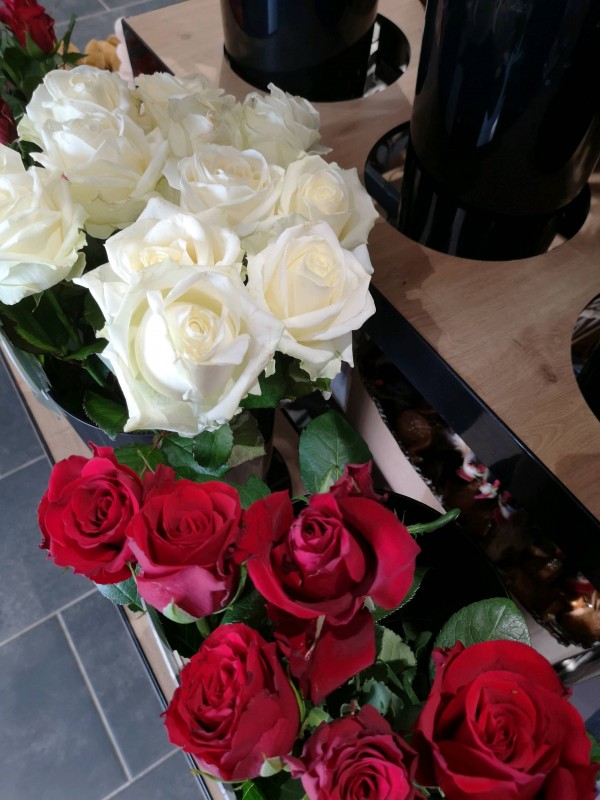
[46, 618]
[23, 466]
[142, 774]
[94, 697]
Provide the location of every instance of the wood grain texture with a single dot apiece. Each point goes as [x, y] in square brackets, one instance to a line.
[504, 327]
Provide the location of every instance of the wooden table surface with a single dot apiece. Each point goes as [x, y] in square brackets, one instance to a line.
[504, 328]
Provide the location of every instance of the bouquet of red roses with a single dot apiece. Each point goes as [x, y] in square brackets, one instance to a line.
[29, 49]
[305, 679]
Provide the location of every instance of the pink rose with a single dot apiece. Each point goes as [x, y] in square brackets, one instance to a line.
[85, 513]
[356, 757]
[235, 706]
[183, 539]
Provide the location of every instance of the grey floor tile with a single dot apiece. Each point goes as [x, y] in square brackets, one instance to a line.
[125, 9]
[96, 26]
[53, 745]
[171, 780]
[31, 586]
[120, 681]
[19, 442]
[61, 10]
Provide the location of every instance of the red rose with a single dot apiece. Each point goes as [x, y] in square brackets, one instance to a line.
[341, 548]
[27, 16]
[8, 129]
[85, 512]
[356, 757]
[182, 539]
[235, 706]
[497, 726]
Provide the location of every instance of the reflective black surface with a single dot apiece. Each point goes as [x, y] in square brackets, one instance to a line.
[315, 48]
[505, 120]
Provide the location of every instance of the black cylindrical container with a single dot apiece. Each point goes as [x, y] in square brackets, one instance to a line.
[318, 49]
[505, 129]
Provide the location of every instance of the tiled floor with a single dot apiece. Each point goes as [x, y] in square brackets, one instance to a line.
[80, 715]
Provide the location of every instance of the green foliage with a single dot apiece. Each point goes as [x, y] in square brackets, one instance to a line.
[483, 621]
[124, 593]
[247, 440]
[106, 413]
[140, 458]
[327, 444]
[288, 382]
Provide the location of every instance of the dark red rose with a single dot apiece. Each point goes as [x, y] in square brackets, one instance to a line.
[27, 16]
[182, 539]
[497, 725]
[316, 570]
[357, 480]
[355, 758]
[85, 513]
[8, 129]
[324, 656]
[340, 549]
[235, 706]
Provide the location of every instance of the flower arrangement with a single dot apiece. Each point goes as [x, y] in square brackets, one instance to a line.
[306, 676]
[29, 49]
[175, 256]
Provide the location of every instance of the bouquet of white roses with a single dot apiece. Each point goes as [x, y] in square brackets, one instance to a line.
[176, 255]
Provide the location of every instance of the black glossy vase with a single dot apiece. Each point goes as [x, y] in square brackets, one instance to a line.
[318, 49]
[505, 129]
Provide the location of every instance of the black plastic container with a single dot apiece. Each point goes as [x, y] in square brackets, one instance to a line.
[505, 129]
[318, 49]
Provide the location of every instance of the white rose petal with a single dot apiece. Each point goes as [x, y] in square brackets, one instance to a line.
[40, 230]
[77, 93]
[113, 167]
[164, 232]
[322, 191]
[187, 344]
[187, 110]
[319, 290]
[240, 185]
[281, 126]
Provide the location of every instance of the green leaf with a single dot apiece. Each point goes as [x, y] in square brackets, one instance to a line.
[250, 608]
[381, 613]
[124, 593]
[273, 389]
[107, 414]
[177, 450]
[327, 444]
[483, 621]
[376, 694]
[140, 458]
[314, 718]
[250, 791]
[247, 440]
[251, 491]
[211, 449]
[392, 650]
[292, 790]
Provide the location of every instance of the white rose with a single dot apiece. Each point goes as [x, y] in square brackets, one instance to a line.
[112, 166]
[188, 112]
[322, 191]
[282, 127]
[237, 184]
[187, 344]
[319, 290]
[77, 93]
[40, 230]
[165, 232]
